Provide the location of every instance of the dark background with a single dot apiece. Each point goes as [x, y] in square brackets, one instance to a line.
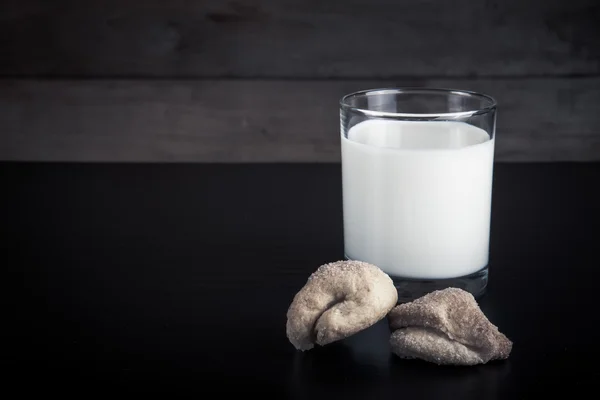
[260, 80]
[176, 278]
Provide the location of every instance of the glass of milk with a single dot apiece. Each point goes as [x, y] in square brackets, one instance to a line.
[417, 185]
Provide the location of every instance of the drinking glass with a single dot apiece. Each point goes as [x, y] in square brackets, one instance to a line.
[417, 166]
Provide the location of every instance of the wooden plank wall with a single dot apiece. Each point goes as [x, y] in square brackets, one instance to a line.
[260, 80]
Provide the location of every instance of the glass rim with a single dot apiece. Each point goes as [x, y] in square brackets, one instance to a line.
[392, 90]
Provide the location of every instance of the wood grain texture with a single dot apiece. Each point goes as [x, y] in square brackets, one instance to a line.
[264, 121]
[299, 38]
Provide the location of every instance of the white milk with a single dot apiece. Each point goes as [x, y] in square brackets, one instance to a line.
[417, 197]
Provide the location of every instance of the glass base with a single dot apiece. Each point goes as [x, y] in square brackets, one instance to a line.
[410, 289]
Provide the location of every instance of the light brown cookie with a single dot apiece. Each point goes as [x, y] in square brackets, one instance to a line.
[446, 327]
[338, 300]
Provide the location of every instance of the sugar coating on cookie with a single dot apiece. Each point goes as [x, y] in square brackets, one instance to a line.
[446, 327]
[338, 300]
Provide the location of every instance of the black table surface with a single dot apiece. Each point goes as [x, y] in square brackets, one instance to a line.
[176, 279]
